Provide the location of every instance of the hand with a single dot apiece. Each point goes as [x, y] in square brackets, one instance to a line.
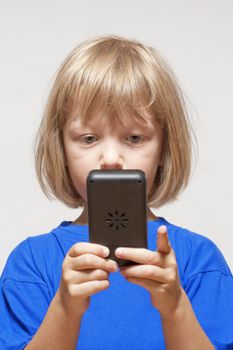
[85, 271]
[157, 272]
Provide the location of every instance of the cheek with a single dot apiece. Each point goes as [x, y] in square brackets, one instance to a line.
[150, 165]
[79, 177]
[150, 176]
[79, 168]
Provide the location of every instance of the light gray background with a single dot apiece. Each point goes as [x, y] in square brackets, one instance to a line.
[195, 36]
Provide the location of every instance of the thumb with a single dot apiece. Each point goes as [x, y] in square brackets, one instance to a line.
[163, 244]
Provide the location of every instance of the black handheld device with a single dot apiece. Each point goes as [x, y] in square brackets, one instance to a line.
[116, 202]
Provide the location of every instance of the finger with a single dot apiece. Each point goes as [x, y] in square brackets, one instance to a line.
[139, 255]
[149, 272]
[77, 277]
[88, 288]
[147, 284]
[163, 244]
[86, 247]
[90, 261]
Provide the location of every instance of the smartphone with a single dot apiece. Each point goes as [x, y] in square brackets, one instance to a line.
[117, 213]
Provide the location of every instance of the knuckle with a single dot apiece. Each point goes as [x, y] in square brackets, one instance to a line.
[76, 248]
[107, 265]
[71, 291]
[96, 285]
[155, 260]
[150, 258]
[172, 276]
[101, 274]
[74, 291]
[65, 266]
[174, 268]
[66, 277]
[151, 271]
[88, 259]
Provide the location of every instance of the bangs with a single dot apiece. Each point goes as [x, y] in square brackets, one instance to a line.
[112, 79]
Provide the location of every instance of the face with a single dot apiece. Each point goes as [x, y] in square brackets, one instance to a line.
[100, 145]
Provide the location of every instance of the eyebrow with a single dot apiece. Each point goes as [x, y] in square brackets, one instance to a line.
[76, 126]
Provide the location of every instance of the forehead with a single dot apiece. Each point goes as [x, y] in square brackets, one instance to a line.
[103, 120]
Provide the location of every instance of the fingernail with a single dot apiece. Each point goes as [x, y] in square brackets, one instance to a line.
[106, 251]
[114, 267]
[119, 252]
[162, 229]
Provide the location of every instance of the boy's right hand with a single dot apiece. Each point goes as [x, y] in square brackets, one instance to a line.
[85, 271]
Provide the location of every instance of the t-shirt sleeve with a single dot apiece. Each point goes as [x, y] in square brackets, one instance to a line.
[24, 299]
[210, 292]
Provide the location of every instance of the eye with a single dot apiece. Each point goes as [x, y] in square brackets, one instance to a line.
[88, 139]
[135, 139]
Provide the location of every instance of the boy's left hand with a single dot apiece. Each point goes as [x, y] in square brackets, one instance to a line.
[157, 272]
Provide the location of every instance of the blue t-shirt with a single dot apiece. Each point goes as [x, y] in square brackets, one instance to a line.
[121, 316]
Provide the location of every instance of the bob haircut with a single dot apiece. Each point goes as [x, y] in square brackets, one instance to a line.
[128, 80]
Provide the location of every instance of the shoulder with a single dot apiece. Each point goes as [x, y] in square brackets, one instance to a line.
[24, 261]
[33, 257]
[196, 253]
[39, 258]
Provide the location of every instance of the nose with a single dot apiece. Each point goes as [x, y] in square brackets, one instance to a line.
[111, 158]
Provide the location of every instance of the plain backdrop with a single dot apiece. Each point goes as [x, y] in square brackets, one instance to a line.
[196, 38]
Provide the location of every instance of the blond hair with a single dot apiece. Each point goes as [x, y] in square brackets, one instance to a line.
[127, 80]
